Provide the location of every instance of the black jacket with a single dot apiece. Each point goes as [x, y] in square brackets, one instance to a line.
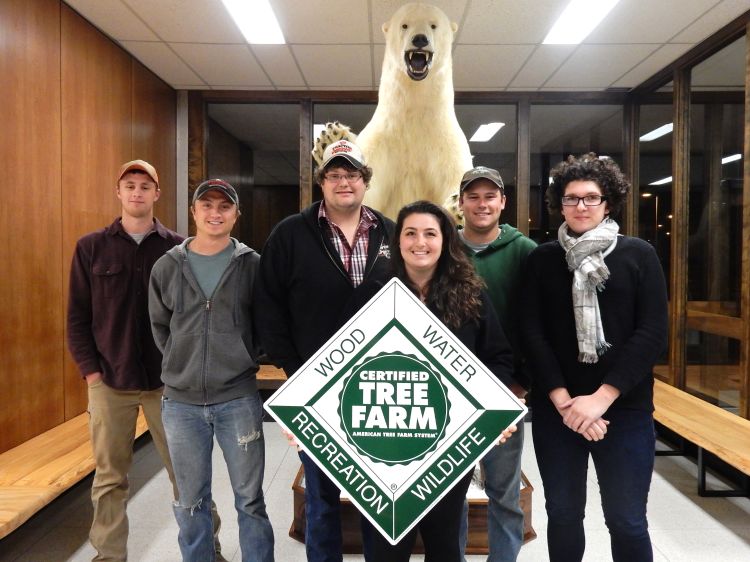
[303, 295]
[633, 308]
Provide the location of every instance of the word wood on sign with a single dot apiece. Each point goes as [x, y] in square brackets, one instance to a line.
[395, 409]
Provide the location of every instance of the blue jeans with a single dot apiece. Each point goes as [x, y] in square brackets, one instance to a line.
[323, 517]
[624, 462]
[502, 474]
[238, 427]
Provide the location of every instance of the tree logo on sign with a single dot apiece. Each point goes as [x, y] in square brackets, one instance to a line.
[394, 396]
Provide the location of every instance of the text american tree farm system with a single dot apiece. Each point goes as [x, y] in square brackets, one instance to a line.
[395, 409]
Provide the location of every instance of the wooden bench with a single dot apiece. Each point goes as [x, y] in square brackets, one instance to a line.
[270, 377]
[710, 428]
[42, 468]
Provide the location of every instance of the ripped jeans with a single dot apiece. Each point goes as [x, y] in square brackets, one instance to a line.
[237, 425]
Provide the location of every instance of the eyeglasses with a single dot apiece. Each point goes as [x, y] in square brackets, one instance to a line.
[588, 200]
[350, 177]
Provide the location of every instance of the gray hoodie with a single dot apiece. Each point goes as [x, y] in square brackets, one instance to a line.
[208, 344]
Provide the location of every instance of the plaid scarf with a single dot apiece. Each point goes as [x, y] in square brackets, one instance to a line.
[585, 258]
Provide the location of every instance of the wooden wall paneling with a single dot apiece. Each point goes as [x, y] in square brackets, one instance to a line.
[679, 237]
[154, 135]
[305, 160]
[523, 165]
[745, 283]
[96, 140]
[31, 292]
[630, 166]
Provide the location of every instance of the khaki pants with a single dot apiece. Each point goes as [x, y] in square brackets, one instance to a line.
[113, 414]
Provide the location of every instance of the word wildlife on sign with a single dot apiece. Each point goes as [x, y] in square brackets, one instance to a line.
[395, 409]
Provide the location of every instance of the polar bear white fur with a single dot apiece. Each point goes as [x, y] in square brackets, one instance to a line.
[413, 142]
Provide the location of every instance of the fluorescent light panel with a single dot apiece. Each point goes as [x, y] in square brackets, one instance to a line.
[658, 132]
[317, 129]
[731, 158]
[486, 132]
[662, 181]
[577, 21]
[256, 21]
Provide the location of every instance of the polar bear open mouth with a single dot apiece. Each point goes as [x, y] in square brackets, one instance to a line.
[418, 62]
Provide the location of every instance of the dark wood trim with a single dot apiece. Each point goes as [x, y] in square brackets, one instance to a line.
[730, 32]
[357, 96]
[630, 165]
[305, 160]
[523, 165]
[680, 223]
[197, 142]
[745, 282]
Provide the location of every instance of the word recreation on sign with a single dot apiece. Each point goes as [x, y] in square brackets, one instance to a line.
[395, 410]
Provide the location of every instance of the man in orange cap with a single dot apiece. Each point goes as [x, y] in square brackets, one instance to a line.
[109, 337]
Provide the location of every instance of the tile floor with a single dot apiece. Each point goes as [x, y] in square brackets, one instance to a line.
[684, 526]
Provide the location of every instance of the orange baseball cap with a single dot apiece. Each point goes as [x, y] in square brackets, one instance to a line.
[140, 165]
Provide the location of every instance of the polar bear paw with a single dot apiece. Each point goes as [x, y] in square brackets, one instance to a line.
[333, 132]
[451, 205]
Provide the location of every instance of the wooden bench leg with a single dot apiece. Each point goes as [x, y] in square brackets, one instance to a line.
[742, 491]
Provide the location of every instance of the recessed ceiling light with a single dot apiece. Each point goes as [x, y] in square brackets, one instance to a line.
[486, 132]
[256, 21]
[731, 158]
[662, 181]
[646, 194]
[658, 132]
[577, 21]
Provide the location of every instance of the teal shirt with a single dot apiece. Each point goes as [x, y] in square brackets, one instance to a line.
[209, 269]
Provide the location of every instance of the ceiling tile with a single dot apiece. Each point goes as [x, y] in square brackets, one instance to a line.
[487, 65]
[326, 22]
[189, 21]
[545, 60]
[646, 21]
[113, 18]
[722, 70]
[657, 60]
[714, 19]
[382, 10]
[597, 66]
[335, 66]
[279, 64]
[489, 21]
[230, 65]
[162, 61]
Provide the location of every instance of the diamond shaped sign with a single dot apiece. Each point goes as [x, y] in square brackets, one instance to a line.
[395, 409]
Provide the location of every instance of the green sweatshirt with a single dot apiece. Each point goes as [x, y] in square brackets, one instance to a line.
[501, 265]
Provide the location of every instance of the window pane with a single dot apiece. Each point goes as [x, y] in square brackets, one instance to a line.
[499, 152]
[255, 147]
[556, 132]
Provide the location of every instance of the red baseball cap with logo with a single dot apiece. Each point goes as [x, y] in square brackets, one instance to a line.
[344, 149]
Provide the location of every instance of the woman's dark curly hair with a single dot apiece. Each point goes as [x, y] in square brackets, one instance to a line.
[603, 171]
[455, 289]
[320, 173]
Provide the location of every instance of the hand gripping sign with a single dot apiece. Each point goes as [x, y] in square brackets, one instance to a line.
[395, 410]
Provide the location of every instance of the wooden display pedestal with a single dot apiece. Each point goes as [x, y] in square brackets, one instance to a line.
[350, 520]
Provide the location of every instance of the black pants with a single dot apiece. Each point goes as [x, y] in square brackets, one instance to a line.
[439, 530]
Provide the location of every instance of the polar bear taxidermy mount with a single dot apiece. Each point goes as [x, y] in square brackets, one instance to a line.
[413, 143]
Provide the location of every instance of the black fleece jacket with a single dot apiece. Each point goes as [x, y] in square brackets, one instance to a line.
[303, 294]
[633, 308]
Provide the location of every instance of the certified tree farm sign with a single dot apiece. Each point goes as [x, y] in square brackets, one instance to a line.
[395, 409]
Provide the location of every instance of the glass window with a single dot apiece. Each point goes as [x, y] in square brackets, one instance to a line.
[655, 189]
[499, 152]
[255, 147]
[558, 131]
[715, 227]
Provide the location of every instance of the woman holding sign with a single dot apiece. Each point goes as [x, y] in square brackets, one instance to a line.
[428, 258]
[594, 324]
